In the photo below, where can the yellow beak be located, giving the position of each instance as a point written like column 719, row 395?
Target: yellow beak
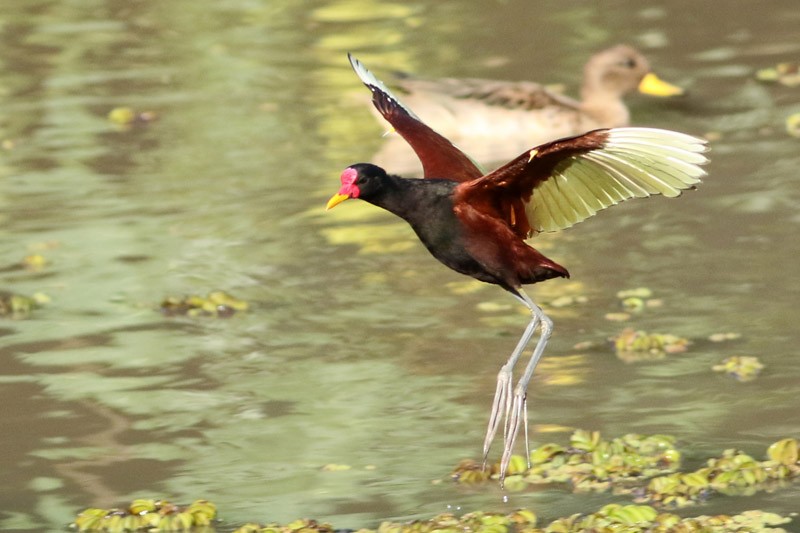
column 655, row 86
column 335, row 200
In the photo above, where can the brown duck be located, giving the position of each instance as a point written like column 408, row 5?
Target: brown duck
column 493, row 120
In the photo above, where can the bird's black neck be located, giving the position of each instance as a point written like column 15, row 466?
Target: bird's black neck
column 408, row 198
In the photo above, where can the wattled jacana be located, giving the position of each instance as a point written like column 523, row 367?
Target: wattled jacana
column 477, row 224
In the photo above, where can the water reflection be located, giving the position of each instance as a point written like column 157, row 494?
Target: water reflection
column 359, row 348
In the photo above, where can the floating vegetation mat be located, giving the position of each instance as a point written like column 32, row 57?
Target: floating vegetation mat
column 611, row 518
column 643, row 467
column 588, row 463
column 17, row 306
column 634, row 345
column 741, row 367
column 614, row 518
column 633, row 301
column 793, row 124
column 786, row 73
column 126, row 117
column 636, row 300
column 215, row 303
column 33, row 262
column 148, row 515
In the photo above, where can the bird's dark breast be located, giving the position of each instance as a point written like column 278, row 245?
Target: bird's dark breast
column 449, row 248
column 440, row 230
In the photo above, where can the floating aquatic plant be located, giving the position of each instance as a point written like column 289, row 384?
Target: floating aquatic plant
column 303, row 525
column 126, row 116
column 639, row 292
column 643, row 466
column 567, row 300
column 793, row 124
column 17, row 306
column 618, row 317
column 613, row 518
column 645, row 519
column 785, row 73
column 33, row 262
column 588, row 463
column 148, row 515
column 724, row 336
column 734, row 472
column 200, row 516
column 741, row 367
column 216, row 303
column 632, row 344
column 633, row 301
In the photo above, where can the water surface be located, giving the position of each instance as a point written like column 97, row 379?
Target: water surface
column 358, row 349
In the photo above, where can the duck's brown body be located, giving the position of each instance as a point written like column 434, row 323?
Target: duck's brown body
column 493, row 120
column 457, row 107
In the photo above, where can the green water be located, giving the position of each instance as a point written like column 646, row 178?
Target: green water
column 359, row 349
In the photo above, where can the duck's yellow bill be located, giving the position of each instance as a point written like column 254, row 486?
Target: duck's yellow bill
column 655, row 86
column 335, row 200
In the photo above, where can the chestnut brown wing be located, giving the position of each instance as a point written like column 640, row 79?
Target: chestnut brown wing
column 564, row 182
column 439, row 157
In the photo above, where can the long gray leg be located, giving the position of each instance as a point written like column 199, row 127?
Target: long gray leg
column 519, row 408
column 501, row 405
column 503, row 400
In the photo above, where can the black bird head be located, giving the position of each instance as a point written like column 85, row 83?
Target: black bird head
column 361, row 180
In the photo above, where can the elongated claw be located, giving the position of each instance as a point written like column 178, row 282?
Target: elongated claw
column 517, row 418
column 501, row 406
column 525, row 422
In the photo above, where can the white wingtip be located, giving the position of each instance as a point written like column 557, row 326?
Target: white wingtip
column 618, row 137
column 632, row 163
column 374, row 84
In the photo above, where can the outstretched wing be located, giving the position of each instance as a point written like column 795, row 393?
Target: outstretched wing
column 561, row 183
column 439, row 157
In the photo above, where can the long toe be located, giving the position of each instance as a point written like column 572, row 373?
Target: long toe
column 501, row 406
column 525, row 425
column 515, row 421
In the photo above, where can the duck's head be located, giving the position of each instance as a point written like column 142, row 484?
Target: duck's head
column 621, row 70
